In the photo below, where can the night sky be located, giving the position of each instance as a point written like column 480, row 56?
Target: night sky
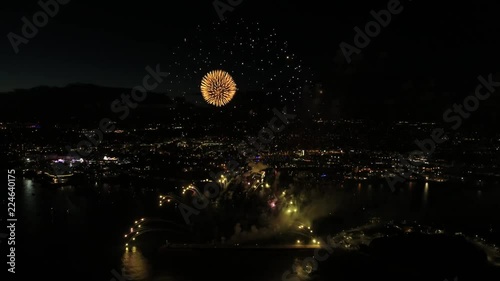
column 427, row 50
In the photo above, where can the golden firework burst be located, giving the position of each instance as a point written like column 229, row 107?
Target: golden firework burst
column 218, row 88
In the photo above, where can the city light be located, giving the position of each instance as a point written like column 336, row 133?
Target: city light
column 242, row 132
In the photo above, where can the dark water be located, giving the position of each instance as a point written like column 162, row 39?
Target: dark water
column 77, row 233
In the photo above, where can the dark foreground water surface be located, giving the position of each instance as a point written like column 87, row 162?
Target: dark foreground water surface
column 77, row 233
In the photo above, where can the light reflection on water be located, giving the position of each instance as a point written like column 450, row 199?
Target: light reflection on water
column 426, row 195
column 77, row 210
column 135, row 265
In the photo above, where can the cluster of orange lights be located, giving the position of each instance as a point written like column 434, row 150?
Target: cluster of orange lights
column 218, row 88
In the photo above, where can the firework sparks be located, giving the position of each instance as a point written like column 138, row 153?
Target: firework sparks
column 218, row 88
